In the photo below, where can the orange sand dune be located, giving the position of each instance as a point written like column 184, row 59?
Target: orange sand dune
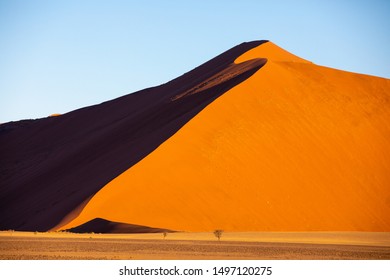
column 296, row 147
column 51, row 167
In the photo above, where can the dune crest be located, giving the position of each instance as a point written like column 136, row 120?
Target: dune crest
column 271, row 52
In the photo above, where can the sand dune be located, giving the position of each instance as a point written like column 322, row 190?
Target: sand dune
column 296, row 147
column 103, row 226
column 256, row 139
column 49, row 168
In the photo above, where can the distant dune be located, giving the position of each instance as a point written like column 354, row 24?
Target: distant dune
column 256, row 139
column 103, row 226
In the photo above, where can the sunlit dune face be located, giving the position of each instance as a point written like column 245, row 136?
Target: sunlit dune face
column 296, row 147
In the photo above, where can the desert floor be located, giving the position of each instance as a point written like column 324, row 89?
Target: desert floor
column 264, row 245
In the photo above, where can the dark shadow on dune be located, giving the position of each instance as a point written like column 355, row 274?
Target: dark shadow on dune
column 48, row 167
column 99, row 225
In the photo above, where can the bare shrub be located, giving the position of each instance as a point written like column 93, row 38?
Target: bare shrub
column 218, row 234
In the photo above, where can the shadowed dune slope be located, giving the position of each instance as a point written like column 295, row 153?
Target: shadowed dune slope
column 49, row 168
column 295, row 147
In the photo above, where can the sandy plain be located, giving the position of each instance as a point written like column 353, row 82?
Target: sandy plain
column 198, row 246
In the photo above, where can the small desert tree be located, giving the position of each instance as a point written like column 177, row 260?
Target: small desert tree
column 218, row 233
column 165, row 234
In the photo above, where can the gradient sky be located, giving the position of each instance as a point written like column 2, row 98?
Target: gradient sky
column 57, row 56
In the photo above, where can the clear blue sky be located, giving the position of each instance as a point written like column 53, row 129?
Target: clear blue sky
column 57, row 56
